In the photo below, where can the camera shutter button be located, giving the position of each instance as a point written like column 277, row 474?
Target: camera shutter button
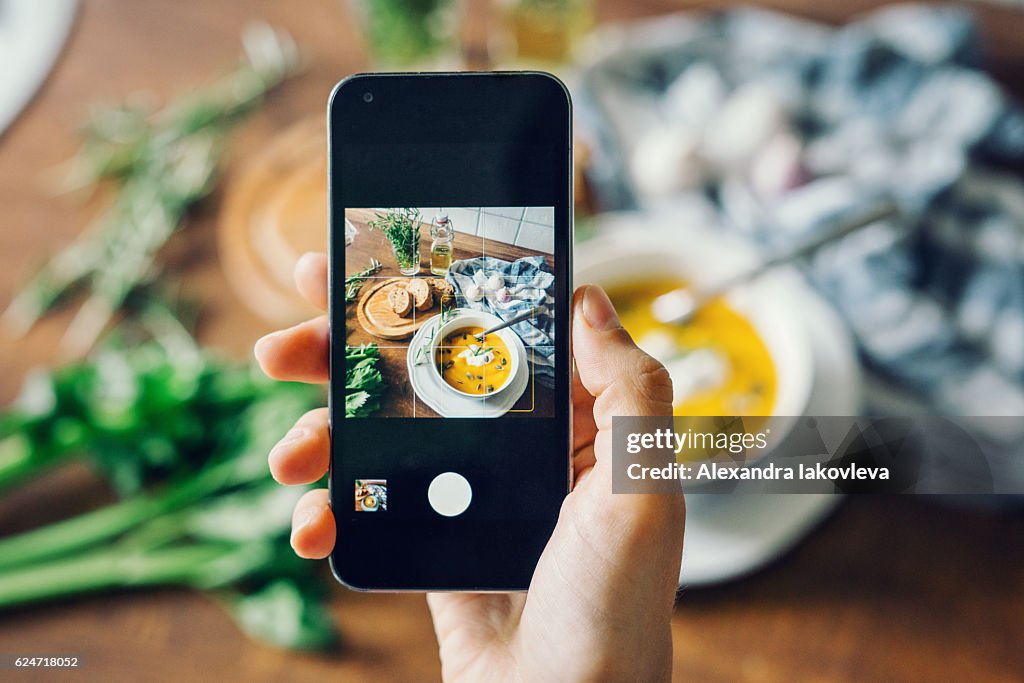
column 449, row 494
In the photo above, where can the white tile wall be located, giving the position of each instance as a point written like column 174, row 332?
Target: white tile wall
column 536, row 237
column 530, row 228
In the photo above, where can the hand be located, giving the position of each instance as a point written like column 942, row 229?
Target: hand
column 600, row 602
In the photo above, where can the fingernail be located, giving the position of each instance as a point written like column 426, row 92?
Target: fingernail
column 294, row 435
column 306, row 519
column 598, row 310
column 304, row 258
column 261, row 342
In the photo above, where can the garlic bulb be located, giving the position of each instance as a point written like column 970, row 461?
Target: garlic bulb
column 665, row 161
column 494, row 282
column 474, row 293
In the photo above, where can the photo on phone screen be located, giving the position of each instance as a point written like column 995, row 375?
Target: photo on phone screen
column 444, row 278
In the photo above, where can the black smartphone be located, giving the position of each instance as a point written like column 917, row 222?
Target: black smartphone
column 450, row 292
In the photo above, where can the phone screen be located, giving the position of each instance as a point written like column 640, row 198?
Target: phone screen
column 450, row 216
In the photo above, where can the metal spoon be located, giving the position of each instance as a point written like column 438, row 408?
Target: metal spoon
column 680, row 305
column 536, row 310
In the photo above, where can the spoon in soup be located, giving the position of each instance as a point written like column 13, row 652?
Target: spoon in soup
column 526, row 315
column 680, row 305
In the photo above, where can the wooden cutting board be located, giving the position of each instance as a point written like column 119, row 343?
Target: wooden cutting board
column 275, row 209
column 376, row 316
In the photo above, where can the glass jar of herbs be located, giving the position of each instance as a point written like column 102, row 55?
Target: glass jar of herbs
column 402, row 228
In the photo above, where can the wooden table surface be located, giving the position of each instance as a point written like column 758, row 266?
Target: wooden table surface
column 399, row 399
column 887, row 589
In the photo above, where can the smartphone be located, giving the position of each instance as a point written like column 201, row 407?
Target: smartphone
column 450, row 215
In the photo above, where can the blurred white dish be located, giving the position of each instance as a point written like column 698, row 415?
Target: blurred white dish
column 32, row 34
column 632, row 253
column 731, row 535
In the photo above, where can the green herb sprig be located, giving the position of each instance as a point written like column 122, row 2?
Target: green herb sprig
column 161, row 163
column 423, row 352
column 354, row 283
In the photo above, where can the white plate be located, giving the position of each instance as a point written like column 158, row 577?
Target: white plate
column 431, row 390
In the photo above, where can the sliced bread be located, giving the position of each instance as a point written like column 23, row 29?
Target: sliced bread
column 401, row 301
column 444, row 292
column 421, row 293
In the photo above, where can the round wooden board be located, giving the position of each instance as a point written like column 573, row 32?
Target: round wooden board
column 275, row 209
column 378, row 318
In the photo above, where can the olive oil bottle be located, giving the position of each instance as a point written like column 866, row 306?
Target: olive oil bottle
column 442, row 233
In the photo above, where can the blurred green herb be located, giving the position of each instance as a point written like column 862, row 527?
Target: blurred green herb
column 161, row 164
column 404, row 32
column 402, row 228
column 354, row 283
column 183, row 437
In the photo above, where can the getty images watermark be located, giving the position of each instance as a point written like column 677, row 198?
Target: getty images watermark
column 825, row 454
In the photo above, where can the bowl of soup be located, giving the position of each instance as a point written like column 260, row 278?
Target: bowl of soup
column 746, row 354
column 470, row 366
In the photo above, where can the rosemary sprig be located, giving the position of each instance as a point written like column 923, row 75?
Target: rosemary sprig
column 161, row 164
column 354, row 283
column 423, row 352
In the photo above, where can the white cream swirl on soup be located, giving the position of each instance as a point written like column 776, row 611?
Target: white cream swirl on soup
column 474, row 357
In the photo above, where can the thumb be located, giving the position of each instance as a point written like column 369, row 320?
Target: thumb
column 623, row 379
column 609, row 574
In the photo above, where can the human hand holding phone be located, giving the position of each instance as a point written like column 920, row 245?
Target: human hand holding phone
column 600, row 602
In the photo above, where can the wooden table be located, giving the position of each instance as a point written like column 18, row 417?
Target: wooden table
column 887, row 589
column 399, row 400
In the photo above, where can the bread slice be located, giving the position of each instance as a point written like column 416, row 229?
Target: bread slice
column 401, row 301
column 421, row 293
column 442, row 287
column 444, row 292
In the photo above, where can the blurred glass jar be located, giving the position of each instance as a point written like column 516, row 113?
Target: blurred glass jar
column 413, row 35
column 541, row 31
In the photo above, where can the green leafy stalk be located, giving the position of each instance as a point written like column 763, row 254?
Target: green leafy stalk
column 261, row 425
column 364, row 383
column 219, row 523
column 284, row 612
column 204, row 565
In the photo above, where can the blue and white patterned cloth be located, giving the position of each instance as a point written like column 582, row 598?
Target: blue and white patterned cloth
column 527, row 281
column 895, row 104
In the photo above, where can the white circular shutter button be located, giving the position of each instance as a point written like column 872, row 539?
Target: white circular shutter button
column 449, row 494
